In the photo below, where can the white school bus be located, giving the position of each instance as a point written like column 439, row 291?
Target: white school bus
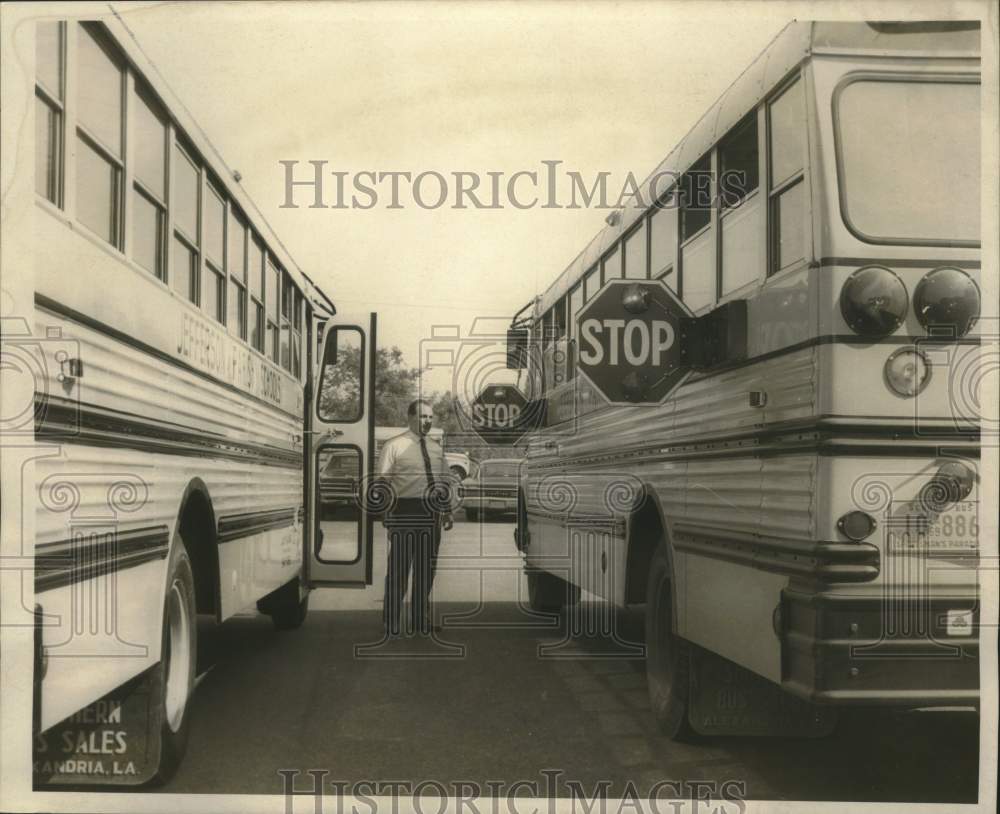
column 799, row 515
column 176, row 422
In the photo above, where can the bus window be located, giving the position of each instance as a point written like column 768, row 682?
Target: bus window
column 591, row 283
column 559, row 319
column 149, row 208
column 920, row 179
column 236, row 299
column 256, row 315
column 342, row 385
column 612, row 265
column 297, row 335
column 184, row 205
column 697, row 240
column 272, row 290
column 49, row 111
column 575, row 304
column 786, row 149
column 635, row 253
column 741, row 214
column 99, row 154
column 213, row 281
column 287, row 306
column 663, row 242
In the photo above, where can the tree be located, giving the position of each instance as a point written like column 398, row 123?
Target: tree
column 395, row 386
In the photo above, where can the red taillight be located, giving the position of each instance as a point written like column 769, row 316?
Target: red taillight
column 873, row 301
column 947, row 302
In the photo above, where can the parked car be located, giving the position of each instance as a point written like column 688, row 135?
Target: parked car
column 492, row 489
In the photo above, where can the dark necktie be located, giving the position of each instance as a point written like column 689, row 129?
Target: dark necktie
column 427, row 462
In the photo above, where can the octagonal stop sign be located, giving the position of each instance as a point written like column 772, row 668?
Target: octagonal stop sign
column 630, row 341
column 500, row 414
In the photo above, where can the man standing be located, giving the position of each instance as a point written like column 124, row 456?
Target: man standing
column 414, row 467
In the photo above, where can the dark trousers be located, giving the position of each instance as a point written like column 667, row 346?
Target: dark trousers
column 414, row 538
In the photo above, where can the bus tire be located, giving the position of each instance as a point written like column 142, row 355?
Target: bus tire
column 178, row 656
column 472, row 515
column 285, row 606
column 548, row 593
column 667, row 655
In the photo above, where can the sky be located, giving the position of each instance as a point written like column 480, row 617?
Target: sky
column 443, row 87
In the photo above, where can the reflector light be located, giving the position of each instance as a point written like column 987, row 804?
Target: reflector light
column 947, row 301
column 855, row 526
column 907, row 372
column 873, row 301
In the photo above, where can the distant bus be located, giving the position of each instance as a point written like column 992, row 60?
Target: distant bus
column 805, row 504
column 175, row 426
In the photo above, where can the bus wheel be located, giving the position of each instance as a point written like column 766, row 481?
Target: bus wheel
column 285, row 607
column 667, row 655
column 549, row 593
column 177, row 661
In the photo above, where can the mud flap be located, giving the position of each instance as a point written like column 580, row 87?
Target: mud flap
column 114, row 741
column 727, row 699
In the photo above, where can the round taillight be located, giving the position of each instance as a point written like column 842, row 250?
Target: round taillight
column 947, row 302
column 855, row 526
column 873, row 301
column 952, row 483
column 907, row 372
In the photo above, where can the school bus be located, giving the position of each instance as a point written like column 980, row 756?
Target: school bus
column 799, row 516
column 179, row 355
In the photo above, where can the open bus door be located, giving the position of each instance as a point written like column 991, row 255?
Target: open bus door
column 340, row 446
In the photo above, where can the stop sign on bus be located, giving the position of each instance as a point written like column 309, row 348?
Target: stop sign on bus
column 629, row 341
column 500, row 414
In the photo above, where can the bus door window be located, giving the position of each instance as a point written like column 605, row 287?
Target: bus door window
column 786, row 159
column 342, row 384
column 741, row 214
column 697, row 240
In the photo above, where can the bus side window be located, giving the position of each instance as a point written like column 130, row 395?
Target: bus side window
column 786, row 197
column 697, row 238
column 575, row 304
column 663, row 242
column 741, row 214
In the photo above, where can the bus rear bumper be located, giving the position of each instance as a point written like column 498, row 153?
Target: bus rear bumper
column 866, row 650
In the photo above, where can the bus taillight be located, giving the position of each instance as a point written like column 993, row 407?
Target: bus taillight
column 907, row 372
column 873, row 301
column 947, row 301
column 952, row 483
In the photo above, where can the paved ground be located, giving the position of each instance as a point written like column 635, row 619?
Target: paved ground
column 503, row 695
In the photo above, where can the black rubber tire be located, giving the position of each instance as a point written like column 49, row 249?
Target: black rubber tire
column 179, row 623
column 667, row 655
column 472, row 515
column 287, row 610
column 548, row 593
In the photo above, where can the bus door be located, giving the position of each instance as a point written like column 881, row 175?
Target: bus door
column 339, row 455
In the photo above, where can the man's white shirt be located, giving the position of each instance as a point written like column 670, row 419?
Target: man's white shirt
column 402, row 464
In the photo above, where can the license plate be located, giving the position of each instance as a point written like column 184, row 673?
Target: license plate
column 955, row 531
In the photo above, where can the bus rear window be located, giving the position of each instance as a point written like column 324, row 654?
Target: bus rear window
column 909, row 160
